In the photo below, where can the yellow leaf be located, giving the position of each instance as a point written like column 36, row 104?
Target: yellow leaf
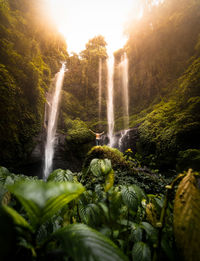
column 109, row 181
column 187, row 218
column 151, row 214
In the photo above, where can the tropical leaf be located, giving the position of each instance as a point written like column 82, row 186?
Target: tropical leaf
column 141, row 252
column 115, row 203
column 109, row 180
column 136, row 232
column 42, row 200
column 186, row 218
column 151, row 232
column 17, row 218
column 90, row 214
column 100, row 167
column 82, row 243
column 129, row 197
column 61, row 175
column 106, row 166
column 138, row 192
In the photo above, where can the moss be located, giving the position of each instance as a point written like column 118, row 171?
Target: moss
column 26, row 55
column 188, row 159
column 174, row 125
column 105, row 152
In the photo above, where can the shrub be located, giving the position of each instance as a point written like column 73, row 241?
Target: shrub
column 105, row 152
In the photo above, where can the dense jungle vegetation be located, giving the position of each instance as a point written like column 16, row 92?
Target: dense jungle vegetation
column 31, row 50
column 133, row 205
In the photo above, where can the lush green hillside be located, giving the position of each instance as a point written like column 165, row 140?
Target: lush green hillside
column 31, row 50
column 164, row 72
column 160, row 47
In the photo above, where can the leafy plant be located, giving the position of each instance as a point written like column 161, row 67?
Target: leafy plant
column 61, row 175
column 186, row 217
column 41, row 234
column 43, row 200
column 83, row 243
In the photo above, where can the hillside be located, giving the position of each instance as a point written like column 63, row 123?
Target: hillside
column 31, row 50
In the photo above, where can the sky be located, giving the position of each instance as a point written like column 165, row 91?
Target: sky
column 81, row 20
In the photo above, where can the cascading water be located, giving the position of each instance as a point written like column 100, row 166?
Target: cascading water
column 125, row 96
column 52, row 115
column 100, row 86
column 110, row 107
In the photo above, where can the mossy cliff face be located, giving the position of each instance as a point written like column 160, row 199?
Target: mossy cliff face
column 171, row 130
column 31, row 50
column 164, row 82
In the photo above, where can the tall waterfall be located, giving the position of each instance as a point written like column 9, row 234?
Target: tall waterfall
column 123, row 66
column 52, row 115
column 100, row 86
column 110, row 106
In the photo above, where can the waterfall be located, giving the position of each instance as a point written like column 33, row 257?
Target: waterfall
column 125, row 93
column 110, row 107
column 123, row 66
column 51, row 117
column 100, row 86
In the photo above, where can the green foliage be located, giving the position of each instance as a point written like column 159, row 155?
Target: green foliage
column 100, row 167
column 30, row 54
column 152, row 38
column 132, row 196
column 141, row 252
column 78, row 131
column 70, row 106
column 42, row 200
column 17, row 218
column 105, row 152
column 188, row 158
column 186, row 226
column 7, row 178
column 173, row 126
column 81, row 80
column 83, row 243
column 61, row 175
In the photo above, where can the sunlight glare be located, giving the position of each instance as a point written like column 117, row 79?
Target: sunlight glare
column 80, row 21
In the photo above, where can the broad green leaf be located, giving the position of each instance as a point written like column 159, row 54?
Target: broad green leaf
column 17, row 218
column 90, row 214
column 136, row 232
column 138, row 192
column 129, row 197
column 82, row 243
column 151, row 232
column 109, row 180
column 42, row 200
column 61, row 175
column 100, row 167
column 141, row 252
column 187, row 217
column 106, row 166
